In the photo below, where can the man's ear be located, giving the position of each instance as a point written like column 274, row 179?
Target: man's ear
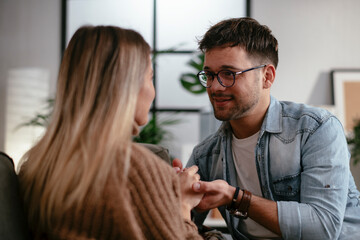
column 269, row 76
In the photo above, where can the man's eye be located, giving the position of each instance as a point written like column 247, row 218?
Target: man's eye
column 208, row 74
column 227, row 73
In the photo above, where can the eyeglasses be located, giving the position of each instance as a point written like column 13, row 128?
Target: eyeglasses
column 225, row 77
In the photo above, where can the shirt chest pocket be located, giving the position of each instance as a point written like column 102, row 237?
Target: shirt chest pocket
column 287, row 188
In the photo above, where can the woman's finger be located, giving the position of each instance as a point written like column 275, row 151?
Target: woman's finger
column 192, row 170
column 197, row 177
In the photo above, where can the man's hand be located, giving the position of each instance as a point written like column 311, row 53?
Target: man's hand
column 219, row 192
column 216, row 193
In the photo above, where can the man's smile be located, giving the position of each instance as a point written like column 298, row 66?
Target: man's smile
column 221, row 99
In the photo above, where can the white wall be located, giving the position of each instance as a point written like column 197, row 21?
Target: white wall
column 29, row 38
column 314, row 38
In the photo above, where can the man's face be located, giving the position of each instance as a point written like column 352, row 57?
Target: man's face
column 243, row 97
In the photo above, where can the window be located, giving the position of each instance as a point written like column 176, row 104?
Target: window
column 165, row 25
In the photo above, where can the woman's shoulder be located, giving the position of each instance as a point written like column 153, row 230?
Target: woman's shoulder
column 149, row 174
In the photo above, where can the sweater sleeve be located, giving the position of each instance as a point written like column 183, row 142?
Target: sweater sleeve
column 155, row 196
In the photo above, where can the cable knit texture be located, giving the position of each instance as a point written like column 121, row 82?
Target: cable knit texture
column 149, row 207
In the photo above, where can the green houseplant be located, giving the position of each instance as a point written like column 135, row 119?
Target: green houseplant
column 354, row 142
column 189, row 80
column 41, row 119
column 154, row 132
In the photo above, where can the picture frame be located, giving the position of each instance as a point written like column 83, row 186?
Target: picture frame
column 346, row 96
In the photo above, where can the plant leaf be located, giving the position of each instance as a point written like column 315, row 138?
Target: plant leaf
column 189, row 80
column 191, row 83
column 154, row 132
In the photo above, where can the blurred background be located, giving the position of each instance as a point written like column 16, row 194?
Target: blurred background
column 317, row 40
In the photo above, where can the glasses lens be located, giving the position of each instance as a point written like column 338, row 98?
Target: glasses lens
column 205, row 79
column 227, row 78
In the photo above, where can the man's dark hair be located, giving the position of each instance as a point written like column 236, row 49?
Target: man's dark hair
column 247, row 33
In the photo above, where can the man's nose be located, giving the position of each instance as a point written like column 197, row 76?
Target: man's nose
column 216, row 86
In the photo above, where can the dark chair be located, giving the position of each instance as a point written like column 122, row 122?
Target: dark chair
column 160, row 151
column 12, row 218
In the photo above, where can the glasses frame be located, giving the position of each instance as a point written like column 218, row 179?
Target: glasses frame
column 219, row 79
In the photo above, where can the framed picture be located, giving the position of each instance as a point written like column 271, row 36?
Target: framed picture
column 346, row 92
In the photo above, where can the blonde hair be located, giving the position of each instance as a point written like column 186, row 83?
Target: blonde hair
column 100, row 76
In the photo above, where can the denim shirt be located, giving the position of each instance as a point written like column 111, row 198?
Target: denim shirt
column 302, row 161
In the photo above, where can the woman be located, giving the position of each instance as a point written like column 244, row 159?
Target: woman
column 86, row 179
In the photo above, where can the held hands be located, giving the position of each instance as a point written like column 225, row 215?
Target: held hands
column 215, row 193
column 189, row 198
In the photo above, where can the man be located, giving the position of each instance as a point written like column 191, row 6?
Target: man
column 291, row 159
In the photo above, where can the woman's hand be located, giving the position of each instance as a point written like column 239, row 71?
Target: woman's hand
column 177, row 165
column 189, row 198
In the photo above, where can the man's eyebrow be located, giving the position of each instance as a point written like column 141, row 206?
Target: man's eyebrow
column 223, row 67
column 229, row 66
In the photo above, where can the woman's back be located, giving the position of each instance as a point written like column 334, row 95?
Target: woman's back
column 144, row 207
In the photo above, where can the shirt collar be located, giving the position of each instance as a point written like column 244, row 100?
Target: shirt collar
column 273, row 120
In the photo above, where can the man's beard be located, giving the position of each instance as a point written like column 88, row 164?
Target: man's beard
column 237, row 111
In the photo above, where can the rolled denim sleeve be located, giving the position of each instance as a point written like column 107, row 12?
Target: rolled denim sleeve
column 324, row 186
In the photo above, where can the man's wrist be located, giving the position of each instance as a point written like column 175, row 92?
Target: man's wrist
column 239, row 206
column 230, row 195
column 233, row 202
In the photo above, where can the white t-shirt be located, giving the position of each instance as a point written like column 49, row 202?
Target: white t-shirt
column 243, row 151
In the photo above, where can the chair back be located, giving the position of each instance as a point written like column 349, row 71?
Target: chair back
column 13, row 223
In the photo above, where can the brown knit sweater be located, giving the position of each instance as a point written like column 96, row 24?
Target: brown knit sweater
column 148, row 208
